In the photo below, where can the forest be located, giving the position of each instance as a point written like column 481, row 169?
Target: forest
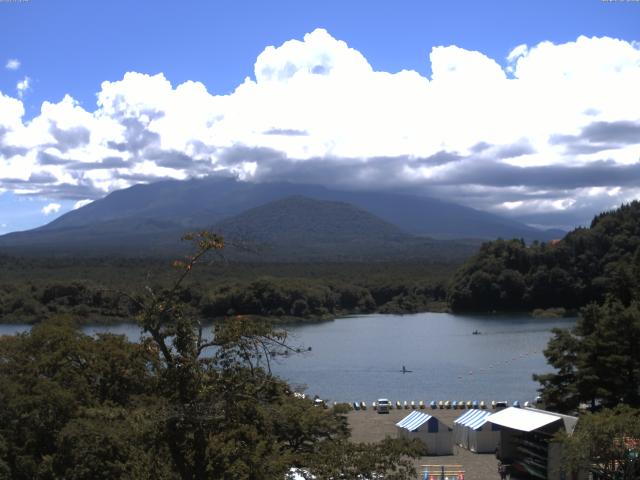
column 172, row 406
column 587, row 265
column 90, row 289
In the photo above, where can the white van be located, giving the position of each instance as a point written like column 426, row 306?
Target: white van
column 384, row 405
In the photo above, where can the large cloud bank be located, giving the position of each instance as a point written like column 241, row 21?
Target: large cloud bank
column 552, row 130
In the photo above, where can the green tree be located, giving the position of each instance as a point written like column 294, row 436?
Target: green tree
column 597, row 362
column 180, row 404
column 48, row 376
column 559, row 390
column 229, row 417
column 605, row 443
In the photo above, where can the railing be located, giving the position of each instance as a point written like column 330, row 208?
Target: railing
column 442, row 472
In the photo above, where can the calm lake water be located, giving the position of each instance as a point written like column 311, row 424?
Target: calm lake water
column 361, row 358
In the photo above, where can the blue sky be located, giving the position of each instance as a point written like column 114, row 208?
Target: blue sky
column 71, row 47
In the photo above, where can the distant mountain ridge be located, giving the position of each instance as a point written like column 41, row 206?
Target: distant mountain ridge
column 152, row 217
column 299, row 219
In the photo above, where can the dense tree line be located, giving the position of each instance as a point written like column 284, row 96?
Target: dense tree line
column 177, row 405
column 587, row 265
column 93, row 293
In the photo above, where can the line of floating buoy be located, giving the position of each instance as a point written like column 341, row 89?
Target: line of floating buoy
column 498, row 364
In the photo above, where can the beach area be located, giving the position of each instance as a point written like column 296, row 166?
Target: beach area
column 369, row 426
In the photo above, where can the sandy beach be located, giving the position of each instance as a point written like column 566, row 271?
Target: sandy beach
column 370, row 426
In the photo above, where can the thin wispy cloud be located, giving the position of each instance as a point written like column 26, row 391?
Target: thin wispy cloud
column 520, row 138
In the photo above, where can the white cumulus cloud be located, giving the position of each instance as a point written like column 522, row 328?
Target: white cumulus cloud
column 12, row 64
column 552, row 124
column 23, row 86
column 51, row 208
column 81, row 203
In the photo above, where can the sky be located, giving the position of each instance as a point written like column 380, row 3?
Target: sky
column 526, row 109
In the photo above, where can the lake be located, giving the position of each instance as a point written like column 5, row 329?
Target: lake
column 361, row 357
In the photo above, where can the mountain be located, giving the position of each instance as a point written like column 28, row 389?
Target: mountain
column 150, row 218
column 301, row 228
column 199, row 202
column 302, row 220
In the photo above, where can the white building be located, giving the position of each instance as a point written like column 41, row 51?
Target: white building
column 437, row 437
column 526, row 440
column 473, row 431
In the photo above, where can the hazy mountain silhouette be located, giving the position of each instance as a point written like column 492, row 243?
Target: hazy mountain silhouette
column 150, row 218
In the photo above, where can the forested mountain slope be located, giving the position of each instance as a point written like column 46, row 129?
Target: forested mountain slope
column 585, row 266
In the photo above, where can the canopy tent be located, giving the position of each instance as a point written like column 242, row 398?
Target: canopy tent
column 523, row 419
column 527, row 440
column 473, row 431
column 436, row 436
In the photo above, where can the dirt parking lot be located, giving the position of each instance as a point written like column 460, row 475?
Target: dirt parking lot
column 370, row 426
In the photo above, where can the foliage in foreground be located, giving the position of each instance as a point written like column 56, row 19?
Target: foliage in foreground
column 607, row 443
column 177, row 405
column 597, row 362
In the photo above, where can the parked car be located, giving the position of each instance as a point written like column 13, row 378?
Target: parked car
column 384, row 405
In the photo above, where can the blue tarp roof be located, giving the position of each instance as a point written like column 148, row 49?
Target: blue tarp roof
column 473, row 419
column 413, row 421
